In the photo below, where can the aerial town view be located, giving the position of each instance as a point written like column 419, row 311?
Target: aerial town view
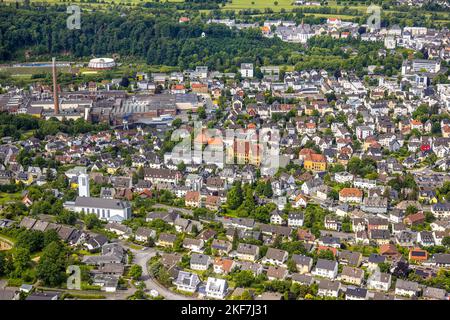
column 206, row 150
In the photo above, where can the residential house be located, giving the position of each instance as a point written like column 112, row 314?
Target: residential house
column 302, row 279
column 302, row 263
column 223, row 265
column 414, row 219
column 248, row 252
column 430, row 293
column 143, row 234
column 326, row 268
column 275, row 256
column 332, row 223
column 350, row 258
column 216, row 288
column 187, row 281
column 300, row 202
column 425, row 238
column 192, row 199
column 379, row 281
column 276, row 218
column 295, row 219
column 352, row 275
column 119, row 229
column 166, row 240
column 406, row 288
column 353, row 195
column 417, row 255
column 276, row 273
column 221, row 246
column 200, row 262
column 194, row 245
column 355, row 293
column 328, row 288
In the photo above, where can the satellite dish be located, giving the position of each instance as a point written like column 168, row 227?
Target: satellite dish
column 203, row 34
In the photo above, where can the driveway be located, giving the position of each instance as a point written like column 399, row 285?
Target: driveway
column 141, row 257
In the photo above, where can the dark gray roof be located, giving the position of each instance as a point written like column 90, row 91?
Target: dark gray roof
column 301, row 259
column 276, row 254
column 329, row 285
column 247, row 248
column 442, row 258
column 199, row 259
column 27, row 222
column 351, row 257
column 326, row 264
column 407, row 285
column 44, row 296
column 356, row 292
column 376, row 258
column 303, row 279
column 65, row 232
column 434, row 293
column 101, row 203
column 167, row 237
column 6, row 294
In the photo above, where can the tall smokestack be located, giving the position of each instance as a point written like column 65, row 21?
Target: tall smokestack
column 55, row 86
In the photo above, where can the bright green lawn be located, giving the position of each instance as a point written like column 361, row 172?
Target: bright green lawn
column 259, row 4
column 7, row 197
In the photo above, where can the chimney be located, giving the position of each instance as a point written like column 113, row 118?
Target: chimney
column 55, row 86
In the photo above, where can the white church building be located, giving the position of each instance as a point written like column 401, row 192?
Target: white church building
column 105, row 209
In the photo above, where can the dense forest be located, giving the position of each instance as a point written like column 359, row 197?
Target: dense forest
column 158, row 40
column 161, row 40
column 16, row 125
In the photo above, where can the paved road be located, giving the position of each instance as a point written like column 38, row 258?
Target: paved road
column 141, row 257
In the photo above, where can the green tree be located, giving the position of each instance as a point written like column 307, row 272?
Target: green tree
column 268, row 192
column 234, row 196
column 67, row 217
column 176, row 123
column 92, row 221
column 246, row 295
column 50, row 236
column 384, row 267
column 411, row 210
column 22, row 261
column 181, row 166
column 243, row 278
column 31, row 240
column 446, row 241
column 52, row 264
column 292, row 267
column 135, row 272
column 326, row 254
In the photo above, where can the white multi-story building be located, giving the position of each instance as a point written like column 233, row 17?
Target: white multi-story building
column 216, row 288
column 343, row 177
column 104, row 209
column 326, row 268
column 379, row 281
column 247, row 70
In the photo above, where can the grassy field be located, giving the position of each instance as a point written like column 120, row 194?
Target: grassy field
column 7, row 197
column 6, row 243
column 25, row 73
column 237, row 5
column 275, row 5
